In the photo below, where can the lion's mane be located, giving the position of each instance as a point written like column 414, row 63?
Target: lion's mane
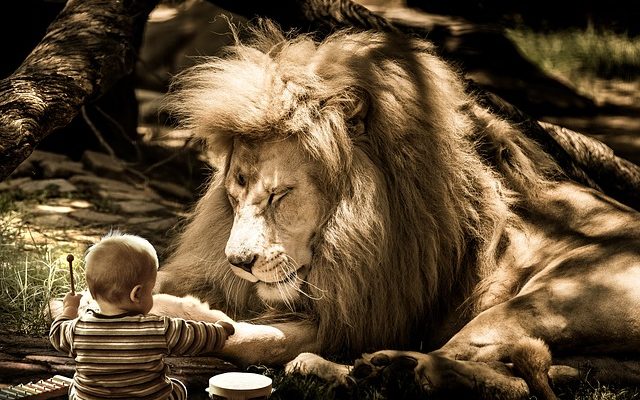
column 420, row 196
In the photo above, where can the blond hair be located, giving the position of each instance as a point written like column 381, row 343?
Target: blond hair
column 117, row 263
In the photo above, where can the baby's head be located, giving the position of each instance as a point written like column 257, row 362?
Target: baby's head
column 121, row 270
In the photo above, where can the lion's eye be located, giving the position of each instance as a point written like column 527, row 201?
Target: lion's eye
column 277, row 196
column 241, row 179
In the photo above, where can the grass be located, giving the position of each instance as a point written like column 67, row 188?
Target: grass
column 581, row 55
column 402, row 387
column 30, row 275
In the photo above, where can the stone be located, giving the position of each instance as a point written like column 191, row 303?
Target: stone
column 13, row 184
column 160, row 225
column 46, row 209
column 95, row 217
column 54, row 221
column 103, row 164
column 61, row 169
column 101, row 183
column 79, row 204
column 172, row 189
column 32, row 165
column 141, row 220
column 132, row 195
column 139, row 207
column 38, row 156
column 26, row 168
column 59, row 185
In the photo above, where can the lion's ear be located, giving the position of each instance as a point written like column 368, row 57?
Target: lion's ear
column 356, row 112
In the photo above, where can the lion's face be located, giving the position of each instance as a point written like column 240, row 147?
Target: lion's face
column 277, row 210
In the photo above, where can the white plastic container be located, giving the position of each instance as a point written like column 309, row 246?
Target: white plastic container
column 239, row 386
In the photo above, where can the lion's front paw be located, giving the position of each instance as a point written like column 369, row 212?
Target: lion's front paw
column 434, row 373
column 313, row 364
column 392, row 365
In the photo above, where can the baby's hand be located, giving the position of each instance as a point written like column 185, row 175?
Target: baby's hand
column 228, row 328
column 71, row 300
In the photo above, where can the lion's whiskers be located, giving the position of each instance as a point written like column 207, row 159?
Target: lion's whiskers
column 297, row 282
column 284, row 294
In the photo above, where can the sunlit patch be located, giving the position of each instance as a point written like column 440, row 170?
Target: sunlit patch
column 565, row 289
column 44, row 208
column 628, row 281
column 605, row 222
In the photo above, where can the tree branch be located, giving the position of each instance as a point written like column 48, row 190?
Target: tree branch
column 89, row 46
column 92, row 44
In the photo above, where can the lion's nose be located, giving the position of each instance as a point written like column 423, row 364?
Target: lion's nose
column 244, row 261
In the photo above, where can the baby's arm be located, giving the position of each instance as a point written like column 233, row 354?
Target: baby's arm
column 190, row 338
column 61, row 332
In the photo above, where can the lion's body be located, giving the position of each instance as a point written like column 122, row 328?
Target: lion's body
column 412, row 214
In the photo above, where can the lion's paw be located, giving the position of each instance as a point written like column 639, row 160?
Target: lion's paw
column 313, row 364
column 435, row 373
column 391, row 365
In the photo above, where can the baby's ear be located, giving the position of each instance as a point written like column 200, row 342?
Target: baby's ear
column 135, row 294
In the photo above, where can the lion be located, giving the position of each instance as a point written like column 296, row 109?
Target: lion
column 364, row 202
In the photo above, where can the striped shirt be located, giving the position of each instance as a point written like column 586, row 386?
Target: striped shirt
column 122, row 356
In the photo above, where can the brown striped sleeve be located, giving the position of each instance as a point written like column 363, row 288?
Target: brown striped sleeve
column 189, row 338
column 61, row 334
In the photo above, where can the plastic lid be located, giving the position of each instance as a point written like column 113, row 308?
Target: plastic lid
column 239, row 385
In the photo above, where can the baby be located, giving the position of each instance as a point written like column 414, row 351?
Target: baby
column 119, row 351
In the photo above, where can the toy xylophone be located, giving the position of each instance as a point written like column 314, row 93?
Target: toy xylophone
column 43, row 389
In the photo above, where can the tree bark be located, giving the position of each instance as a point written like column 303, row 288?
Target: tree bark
column 323, row 16
column 85, row 51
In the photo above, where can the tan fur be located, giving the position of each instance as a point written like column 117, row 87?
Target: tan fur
column 457, row 206
column 421, row 191
column 532, row 359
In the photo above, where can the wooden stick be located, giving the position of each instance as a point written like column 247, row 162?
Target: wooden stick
column 70, row 259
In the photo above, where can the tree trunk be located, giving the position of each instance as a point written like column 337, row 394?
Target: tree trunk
column 86, row 50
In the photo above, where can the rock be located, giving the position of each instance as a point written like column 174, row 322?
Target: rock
column 79, row 204
column 102, row 183
column 54, row 221
column 35, row 162
column 139, row 207
column 143, row 195
column 54, row 185
column 172, row 189
column 160, row 225
column 26, row 168
column 45, row 209
column 95, row 217
column 38, row 156
column 13, row 184
column 61, row 169
column 141, row 220
column 103, row 164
